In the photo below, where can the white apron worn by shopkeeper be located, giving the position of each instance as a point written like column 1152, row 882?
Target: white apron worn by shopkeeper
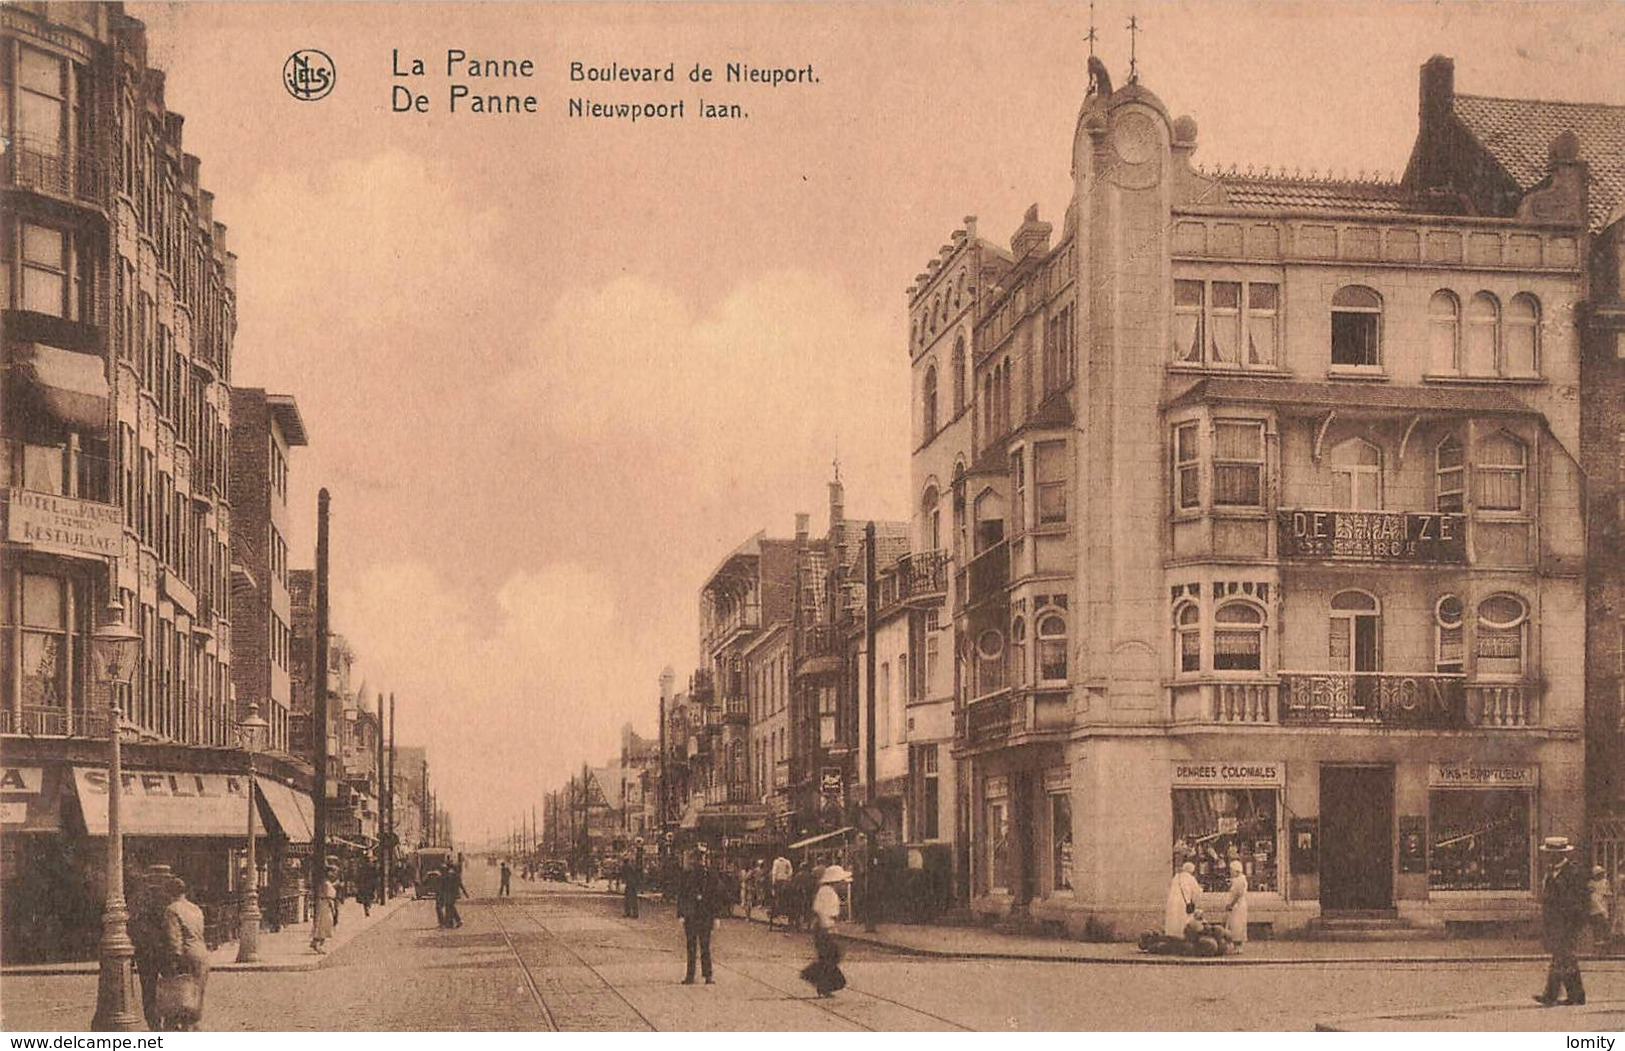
column 1182, row 891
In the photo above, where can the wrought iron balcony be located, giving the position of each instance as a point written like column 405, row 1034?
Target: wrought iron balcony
column 922, row 577
column 43, row 168
column 820, row 640
column 47, row 721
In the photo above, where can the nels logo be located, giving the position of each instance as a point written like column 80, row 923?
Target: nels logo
column 309, row 75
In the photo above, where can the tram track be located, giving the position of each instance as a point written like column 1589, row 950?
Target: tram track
column 524, row 969
column 581, row 960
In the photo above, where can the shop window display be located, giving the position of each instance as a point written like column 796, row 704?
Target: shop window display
column 1479, row 839
column 1215, row 826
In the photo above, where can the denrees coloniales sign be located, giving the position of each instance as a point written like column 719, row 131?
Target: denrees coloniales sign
column 1373, row 536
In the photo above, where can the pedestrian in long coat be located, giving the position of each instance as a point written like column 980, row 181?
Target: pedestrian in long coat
column 507, row 877
column 824, row 973
column 1183, row 891
column 147, row 934
column 366, row 887
column 1237, row 922
column 1563, row 903
column 631, row 882
column 186, row 952
column 699, row 899
column 451, row 888
column 326, row 913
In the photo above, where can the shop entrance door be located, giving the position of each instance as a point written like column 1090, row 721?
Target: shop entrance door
column 1356, row 837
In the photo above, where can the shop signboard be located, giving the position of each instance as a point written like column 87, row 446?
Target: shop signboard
column 59, row 523
column 1482, row 775
column 21, row 787
column 165, row 803
column 1373, row 536
column 1228, row 773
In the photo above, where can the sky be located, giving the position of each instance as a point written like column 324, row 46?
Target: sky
column 553, row 368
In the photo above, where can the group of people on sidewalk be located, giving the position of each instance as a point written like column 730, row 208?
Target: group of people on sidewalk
column 701, row 898
column 1182, row 918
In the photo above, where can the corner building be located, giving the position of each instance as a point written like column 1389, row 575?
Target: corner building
column 1267, row 531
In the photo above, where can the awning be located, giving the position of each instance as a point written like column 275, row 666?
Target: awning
column 821, row 837
column 30, row 798
column 292, row 810
column 71, row 386
column 163, row 803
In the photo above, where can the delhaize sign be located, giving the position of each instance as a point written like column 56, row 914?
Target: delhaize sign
column 59, row 523
column 1373, row 536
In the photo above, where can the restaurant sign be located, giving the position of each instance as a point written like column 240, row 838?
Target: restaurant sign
column 1373, row 536
column 60, row 523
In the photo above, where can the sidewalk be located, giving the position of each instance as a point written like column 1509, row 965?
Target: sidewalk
column 985, row 943
column 1596, row 1016
column 284, row 950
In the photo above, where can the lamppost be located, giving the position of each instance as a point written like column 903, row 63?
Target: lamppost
column 251, row 732
column 115, row 649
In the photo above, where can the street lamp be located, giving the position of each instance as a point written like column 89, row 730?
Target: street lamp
column 251, row 732
column 115, row 650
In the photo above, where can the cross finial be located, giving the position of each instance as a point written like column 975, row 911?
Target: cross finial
column 1133, row 63
column 1093, row 36
column 837, row 466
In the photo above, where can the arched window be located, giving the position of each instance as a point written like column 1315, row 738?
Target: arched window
column 931, row 511
column 1238, row 637
column 1052, row 648
column 1448, row 650
column 1018, row 651
column 1503, row 626
column 1354, row 635
column 936, row 311
column 1483, row 332
column 989, row 520
column 1356, row 328
column 959, row 375
column 1499, row 466
column 1188, row 629
column 1356, row 467
column 1449, row 477
column 1522, row 339
column 929, row 400
column 1444, row 331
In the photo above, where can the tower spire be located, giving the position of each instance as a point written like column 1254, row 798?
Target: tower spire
column 1133, row 62
column 1093, row 36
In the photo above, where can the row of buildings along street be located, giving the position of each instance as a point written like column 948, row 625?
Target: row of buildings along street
column 1257, row 518
column 144, row 489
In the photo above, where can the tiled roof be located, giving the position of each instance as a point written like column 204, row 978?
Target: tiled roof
column 1343, row 195
column 1518, row 133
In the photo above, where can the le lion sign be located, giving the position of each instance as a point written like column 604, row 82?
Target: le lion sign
column 1373, row 536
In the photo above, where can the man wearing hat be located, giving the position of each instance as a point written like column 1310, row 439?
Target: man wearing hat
column 699, row 897
column 1563, row 917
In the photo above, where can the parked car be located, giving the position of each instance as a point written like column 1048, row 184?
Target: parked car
column 554, row 869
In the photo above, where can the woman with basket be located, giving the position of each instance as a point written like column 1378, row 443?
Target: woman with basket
column 185, row 973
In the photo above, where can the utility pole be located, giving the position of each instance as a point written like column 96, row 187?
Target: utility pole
column 383, row 824
column 423, row 806
column 660, row 796
column 870, row 884
column 394, row 837
column 319, row 686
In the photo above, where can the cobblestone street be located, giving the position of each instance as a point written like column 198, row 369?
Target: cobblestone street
column 562, row 957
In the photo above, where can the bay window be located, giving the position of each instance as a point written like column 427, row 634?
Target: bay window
column 1499, row 466
column 1049, row 469
column 1052, row 648
column 1448, row 649
column 1449, row 477
column 1238, row 463
column 1238, row 637
column 1503, row 624
column 1188, row 629
column 1187, row 468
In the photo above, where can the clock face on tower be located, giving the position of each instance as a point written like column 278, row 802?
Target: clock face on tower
column 1135, row 138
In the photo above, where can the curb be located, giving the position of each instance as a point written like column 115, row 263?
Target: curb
column 1361, row 1023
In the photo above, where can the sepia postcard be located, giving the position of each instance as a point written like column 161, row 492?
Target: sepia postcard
column 806, row 516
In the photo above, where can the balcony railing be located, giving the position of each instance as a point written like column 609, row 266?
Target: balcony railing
column 923, row 575
column 997, row 717
column 1420, row 700
column 35, row 721
column 739, row 618
column 820, row 640
column 43, row 168
column 1372, row 536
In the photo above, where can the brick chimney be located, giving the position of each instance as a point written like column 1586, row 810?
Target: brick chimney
column 1435, row 128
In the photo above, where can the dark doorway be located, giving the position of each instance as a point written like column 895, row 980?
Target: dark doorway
column 1021, row 822
column 1356, row 837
